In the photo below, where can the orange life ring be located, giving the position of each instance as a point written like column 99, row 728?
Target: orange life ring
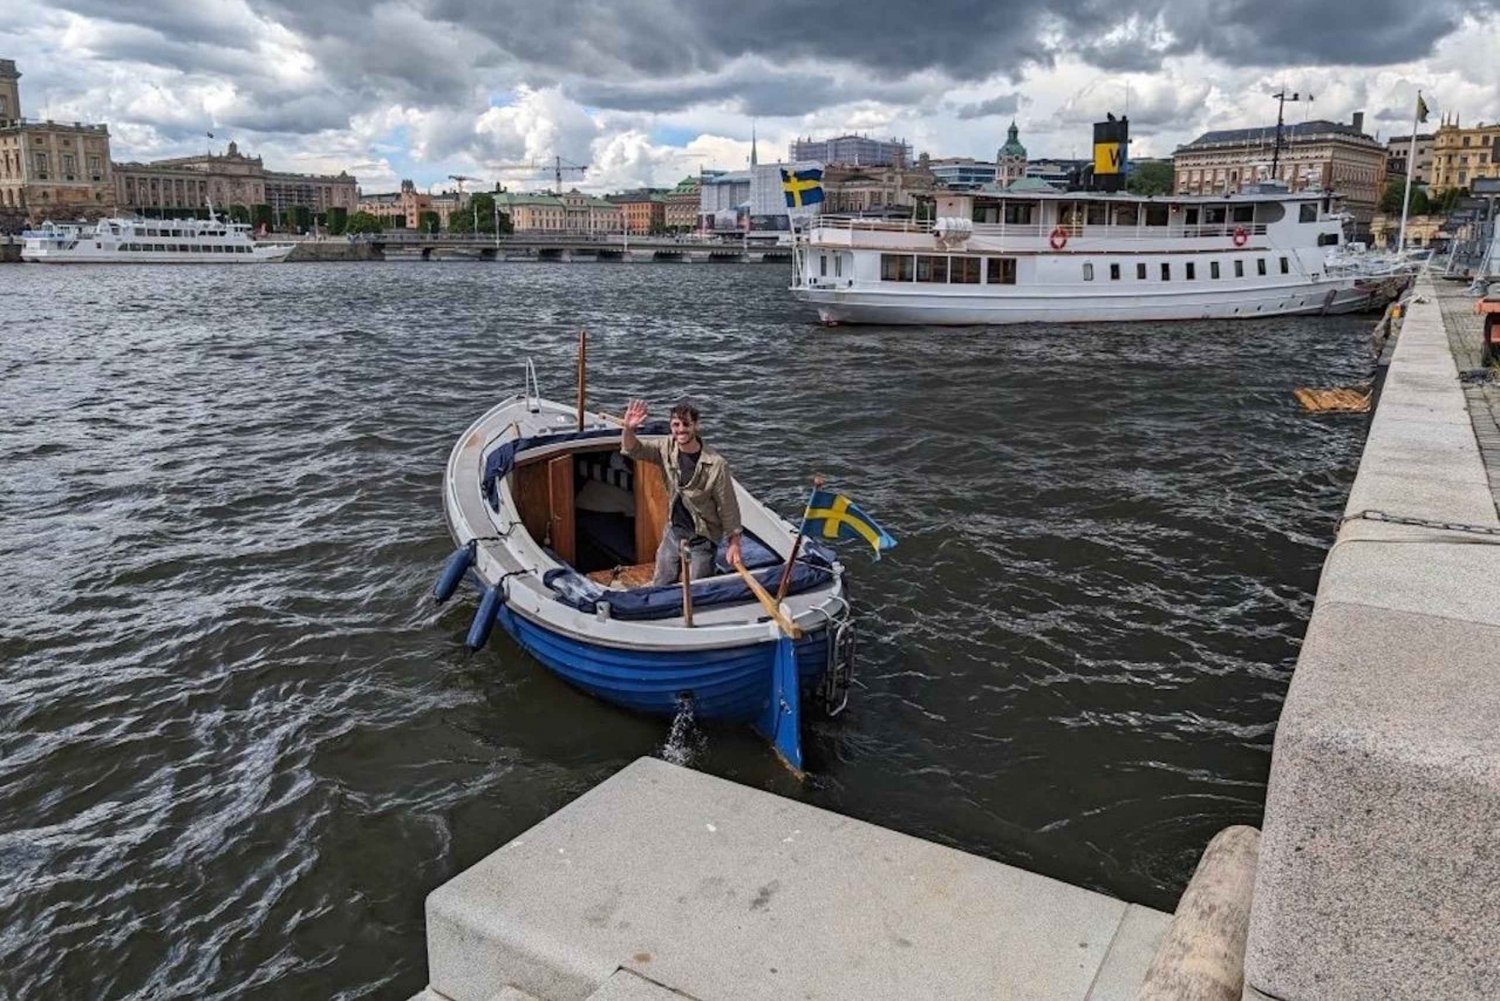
column 1240, row 236
column 1059, row 238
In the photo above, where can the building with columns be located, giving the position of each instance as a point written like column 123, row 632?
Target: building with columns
column 230, row 178
column 49, row 169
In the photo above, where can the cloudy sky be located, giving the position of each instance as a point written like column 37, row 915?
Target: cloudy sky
column 646, row 91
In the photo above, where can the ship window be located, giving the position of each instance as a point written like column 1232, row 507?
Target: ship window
column 822, row 264
column 964, row 271
column 932, row 268
column 1114, row 272
column 1125, row 215
column 1328, row 239
column 1002, row 270
column 1088, row 272
column 1094, row 213
column 1260, row 265
column 1213, row 269
column 1307, row 213
column 1156, row 215
column 1191, row 216
column 1018, row 213
column 1285, row 267
column 1214, row 214
column 895, row 267
column 1140, row 271
column 1244, row 213
column 1239, row 269
column 1166, row 271
column 838, row 265
column 1191, row 270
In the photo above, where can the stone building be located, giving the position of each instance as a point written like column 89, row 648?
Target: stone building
column 590, row 215
column 1316, row 154
column 645, row 211
column 1010, row 159
column 403, row 209
column 884, row 191
column 1398, row 151
column 534, row 213
column 191, row 182
column 1460, row 155
column 680, row 213
column 852, row 151
column 49, row 169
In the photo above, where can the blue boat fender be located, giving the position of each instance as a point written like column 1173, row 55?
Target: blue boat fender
column 484, row 617
column 453, row 573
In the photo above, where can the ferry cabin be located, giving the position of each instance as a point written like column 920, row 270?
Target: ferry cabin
column 145, row 241
column 1034, row 256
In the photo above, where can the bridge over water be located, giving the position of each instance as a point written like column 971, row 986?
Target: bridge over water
column 555, row 247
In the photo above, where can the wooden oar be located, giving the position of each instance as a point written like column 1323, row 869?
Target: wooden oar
column 786, row 574
column 767, row 602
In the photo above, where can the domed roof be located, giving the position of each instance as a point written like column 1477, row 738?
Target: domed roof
column 1012, row 147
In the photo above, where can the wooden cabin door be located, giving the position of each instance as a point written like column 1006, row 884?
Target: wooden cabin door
column 560, row 507
column 650, row 510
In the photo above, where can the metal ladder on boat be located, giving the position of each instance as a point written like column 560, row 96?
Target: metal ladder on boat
column 838, row 673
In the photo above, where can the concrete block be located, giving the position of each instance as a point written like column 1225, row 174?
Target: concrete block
column 724, row 893
column 1456, row 579
column 627, row 986
column 1378, row 862
column 1130, row 954
column 1202, row 956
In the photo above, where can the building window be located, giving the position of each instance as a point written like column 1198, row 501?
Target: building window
column 1140, row 271
column 1239, row 269
column 1191, row 269
column 932, row 268
column 1114, row 272
column 1002, row 270
column 42, row 164
column 1213, row 269
column 896, row 268
column 1166, row 272
column 964, row 271
column 1260, row 265
column 1088, row 272
column 1286, row 267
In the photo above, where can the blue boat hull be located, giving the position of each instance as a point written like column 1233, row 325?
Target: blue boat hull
column 733, row 684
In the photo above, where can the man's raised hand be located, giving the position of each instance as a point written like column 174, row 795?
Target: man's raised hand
column 635, row 414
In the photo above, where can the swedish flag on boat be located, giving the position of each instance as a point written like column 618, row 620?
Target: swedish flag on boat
column 802, row 187
column 834, row 516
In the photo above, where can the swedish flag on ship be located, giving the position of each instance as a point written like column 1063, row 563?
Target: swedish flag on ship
column 834, row 516
column 802, row 187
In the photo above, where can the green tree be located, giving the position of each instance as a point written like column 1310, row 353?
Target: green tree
column 338, row 221
column 1150, row 178
column 298, row 218
column 261, row 216
column 239, row 213
column 364, row 222
column 429, row 222
column 461, row 220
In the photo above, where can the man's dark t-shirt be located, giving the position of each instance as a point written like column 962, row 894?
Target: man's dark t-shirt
column 687, row 465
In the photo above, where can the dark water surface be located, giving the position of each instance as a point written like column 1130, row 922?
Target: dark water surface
column 238, row 745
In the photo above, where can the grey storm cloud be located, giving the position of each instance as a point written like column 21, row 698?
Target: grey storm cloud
column 1005, row 104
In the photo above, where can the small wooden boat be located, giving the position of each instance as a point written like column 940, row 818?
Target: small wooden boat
column 558, row 530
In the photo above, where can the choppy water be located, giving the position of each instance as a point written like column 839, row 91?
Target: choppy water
column 238, row 745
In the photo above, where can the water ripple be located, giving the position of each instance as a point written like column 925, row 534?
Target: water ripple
column 238, row 745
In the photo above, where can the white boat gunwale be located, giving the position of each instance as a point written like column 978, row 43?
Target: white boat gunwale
column 517, row 553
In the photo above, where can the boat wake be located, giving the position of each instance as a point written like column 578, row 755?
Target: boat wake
column 684, row 741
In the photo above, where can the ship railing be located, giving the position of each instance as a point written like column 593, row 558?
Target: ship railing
column 1033, row 230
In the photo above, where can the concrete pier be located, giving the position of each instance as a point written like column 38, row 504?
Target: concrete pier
column 663, row 882
column 1378, row 861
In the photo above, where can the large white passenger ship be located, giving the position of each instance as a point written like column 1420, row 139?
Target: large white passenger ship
column 1054, row 256
column 148, row 241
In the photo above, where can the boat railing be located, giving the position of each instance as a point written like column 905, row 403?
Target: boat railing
column 1036, row 230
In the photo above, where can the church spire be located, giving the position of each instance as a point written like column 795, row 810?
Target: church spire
column 753, row 158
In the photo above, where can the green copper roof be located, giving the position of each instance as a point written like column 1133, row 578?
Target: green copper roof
column 1012, row 145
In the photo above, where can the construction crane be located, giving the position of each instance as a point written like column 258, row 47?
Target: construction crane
column 459, row 179
column 558, row 166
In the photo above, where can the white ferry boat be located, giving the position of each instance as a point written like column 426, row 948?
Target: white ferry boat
column 149, row 241
column 1077, row 256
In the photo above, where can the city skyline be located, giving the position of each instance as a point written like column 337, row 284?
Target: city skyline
column 647, row 93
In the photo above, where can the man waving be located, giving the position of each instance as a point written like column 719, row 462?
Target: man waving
column 702, row 504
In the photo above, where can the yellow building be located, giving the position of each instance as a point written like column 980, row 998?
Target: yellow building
column 50, row 169
column 403, row 209
column 1460, row 155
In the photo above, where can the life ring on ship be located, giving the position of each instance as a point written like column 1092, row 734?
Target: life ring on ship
column 1240, row 236
column 1058, row 239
